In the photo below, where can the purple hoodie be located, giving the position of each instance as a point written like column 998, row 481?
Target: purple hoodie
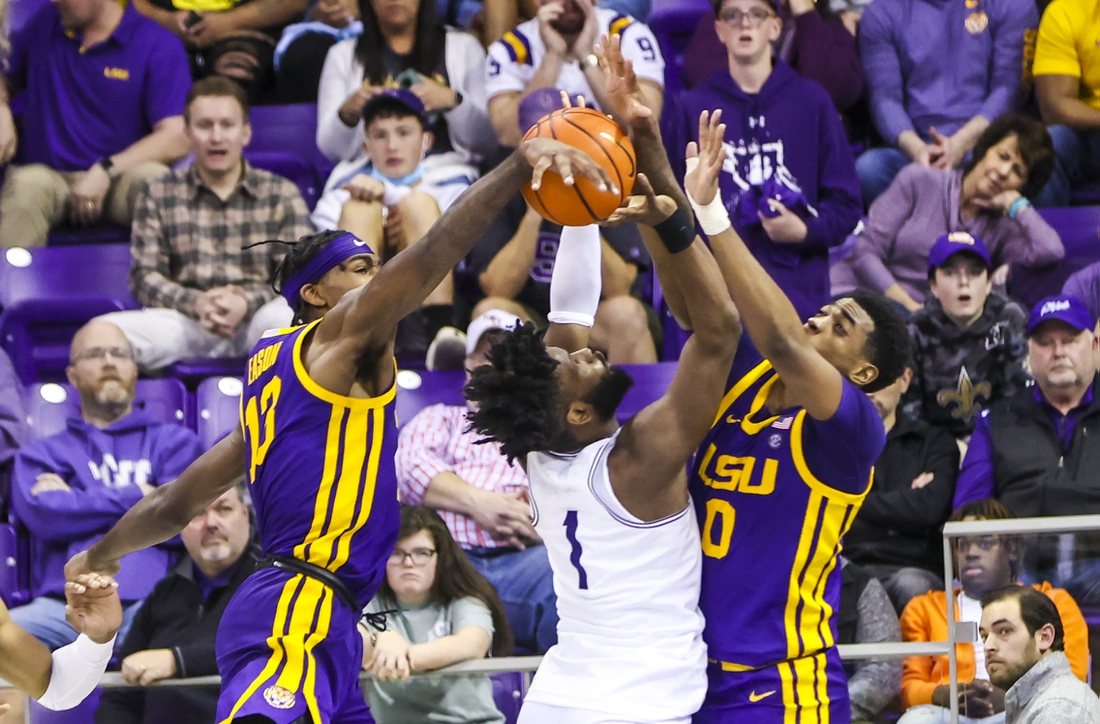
column 788, row 132
column 102, row 467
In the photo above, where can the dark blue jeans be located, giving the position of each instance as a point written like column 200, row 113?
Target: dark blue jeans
column 526, row 587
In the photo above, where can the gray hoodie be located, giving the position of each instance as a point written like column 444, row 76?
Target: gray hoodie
column 1050, row 694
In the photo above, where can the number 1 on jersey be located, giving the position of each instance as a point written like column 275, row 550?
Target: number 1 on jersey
column 575, row 550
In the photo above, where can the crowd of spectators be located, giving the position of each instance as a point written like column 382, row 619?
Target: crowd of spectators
column 900, row 146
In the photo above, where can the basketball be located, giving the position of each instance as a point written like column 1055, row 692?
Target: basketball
column 601, row 138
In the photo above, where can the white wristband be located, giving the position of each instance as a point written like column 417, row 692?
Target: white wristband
column 713, row 218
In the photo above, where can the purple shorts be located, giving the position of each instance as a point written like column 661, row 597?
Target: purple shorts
column 288, row 647
column 812, row 688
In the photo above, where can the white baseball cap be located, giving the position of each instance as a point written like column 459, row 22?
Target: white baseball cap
column 493, row 319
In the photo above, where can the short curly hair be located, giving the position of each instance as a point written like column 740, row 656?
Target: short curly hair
column 888, row 346
column 1033, row 143
column 516, row 396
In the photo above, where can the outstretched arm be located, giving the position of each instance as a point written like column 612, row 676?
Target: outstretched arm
column 167, row 510
column 367, row 318
column 647, row 464
column 768, row 314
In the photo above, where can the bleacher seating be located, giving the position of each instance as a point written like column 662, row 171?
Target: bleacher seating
column 283, row 142
column 49, row 405
column 1079, row 229
column 48, row 293
column 11, row 591
column 217, row 406
column 508, row 691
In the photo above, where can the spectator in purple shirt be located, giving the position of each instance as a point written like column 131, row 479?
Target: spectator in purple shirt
column 938, row 72
column 104, row 90
column 788, row 178
column 988, row 198
column 70, row 488
column 1032, row 450
column 1085, row 285
column 817, row 45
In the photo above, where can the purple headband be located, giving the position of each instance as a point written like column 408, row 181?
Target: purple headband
column 332, row 254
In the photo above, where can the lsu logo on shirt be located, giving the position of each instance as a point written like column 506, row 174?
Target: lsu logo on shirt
column 116, row 73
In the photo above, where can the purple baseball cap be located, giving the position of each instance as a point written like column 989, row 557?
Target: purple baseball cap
column 394, row 99
column 953, row 243
column 1064, row 308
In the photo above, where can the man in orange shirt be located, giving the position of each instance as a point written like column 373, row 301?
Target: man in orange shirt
column 983, row 563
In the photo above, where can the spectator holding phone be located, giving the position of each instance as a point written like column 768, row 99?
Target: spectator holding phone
column 403, row 46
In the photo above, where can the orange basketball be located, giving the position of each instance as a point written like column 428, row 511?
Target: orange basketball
column 601, row 138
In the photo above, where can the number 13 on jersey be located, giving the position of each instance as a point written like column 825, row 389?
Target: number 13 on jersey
column 259, row 438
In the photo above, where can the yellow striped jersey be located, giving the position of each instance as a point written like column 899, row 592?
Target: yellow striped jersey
column 774, row 494
column 319, row 466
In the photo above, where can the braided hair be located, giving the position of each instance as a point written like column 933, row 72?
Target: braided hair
column 516, row 396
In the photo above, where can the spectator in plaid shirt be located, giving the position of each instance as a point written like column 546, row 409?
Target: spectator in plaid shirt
column 205, row 293
column 482, row 499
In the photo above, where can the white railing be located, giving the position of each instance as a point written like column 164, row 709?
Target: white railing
column 528, row 664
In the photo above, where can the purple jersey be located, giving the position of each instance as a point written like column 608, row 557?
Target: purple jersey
column 319, row 466
column 774, row 494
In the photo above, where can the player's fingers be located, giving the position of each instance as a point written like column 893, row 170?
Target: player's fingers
column 641, row 181
column 565, row 168
column 538, row 170
column 628, row 70
column 581, row 102
column 566, row 102
column 692, row 150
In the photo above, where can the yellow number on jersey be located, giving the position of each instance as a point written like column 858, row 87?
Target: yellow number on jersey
column 268, row 398
column 720, row 513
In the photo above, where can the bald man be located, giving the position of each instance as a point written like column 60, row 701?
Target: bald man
column 70, row 488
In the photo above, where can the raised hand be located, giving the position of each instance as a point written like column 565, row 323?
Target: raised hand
column 645, row 208
column 582, row 46
column 551, row 38
column 701, row 180
column 92, row 606
column 544, row 154
column 621, row 83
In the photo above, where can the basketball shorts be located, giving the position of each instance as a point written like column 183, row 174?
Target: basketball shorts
column 288, row 647
column 809, row 689
column 538, row 713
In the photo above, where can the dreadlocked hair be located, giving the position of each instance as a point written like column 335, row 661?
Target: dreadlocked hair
column 300, row 254
column 516, row 395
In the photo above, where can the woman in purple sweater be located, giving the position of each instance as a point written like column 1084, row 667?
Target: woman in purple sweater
column 988, row 197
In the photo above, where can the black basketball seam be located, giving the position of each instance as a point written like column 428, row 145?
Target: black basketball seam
column 614, row 165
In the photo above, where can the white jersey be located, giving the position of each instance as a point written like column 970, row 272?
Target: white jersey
column 630, row 633
column 514, row 59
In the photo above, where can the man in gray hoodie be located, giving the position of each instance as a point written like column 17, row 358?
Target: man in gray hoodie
column 1023, row 655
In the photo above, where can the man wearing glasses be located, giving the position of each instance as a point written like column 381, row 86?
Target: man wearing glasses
column 983, row 564
column 789, row 181
column 70, row 488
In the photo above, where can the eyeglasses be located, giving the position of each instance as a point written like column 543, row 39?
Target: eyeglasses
column 418, row 556
column 119, row 353
column 985, row 543
column 756, row 16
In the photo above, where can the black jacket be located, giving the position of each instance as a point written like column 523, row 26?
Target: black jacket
column 1032, row 475
column 898, row 525
column 958, row 372
column 174, row 616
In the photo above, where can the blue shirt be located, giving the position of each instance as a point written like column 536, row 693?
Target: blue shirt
column 976, row 479
column 942, row 62
column 84, row 105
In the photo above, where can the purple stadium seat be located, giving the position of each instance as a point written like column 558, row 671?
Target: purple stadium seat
column 421, row 388
column 1079, row 229
column 11, row 591
column 673, row 27
column 48, row 293
column 217, row 402
column 105, row 233
column 289, row 129
column 194, row 371
column 1089, row 194
column 83, row 713
column 291, row 166
column 508, row 693
column 50, row 405
column 650, row 382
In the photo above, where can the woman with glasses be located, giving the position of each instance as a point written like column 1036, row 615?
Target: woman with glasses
column 439, row 611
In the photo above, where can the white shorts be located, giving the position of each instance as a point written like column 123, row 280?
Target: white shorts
column 534, row 712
